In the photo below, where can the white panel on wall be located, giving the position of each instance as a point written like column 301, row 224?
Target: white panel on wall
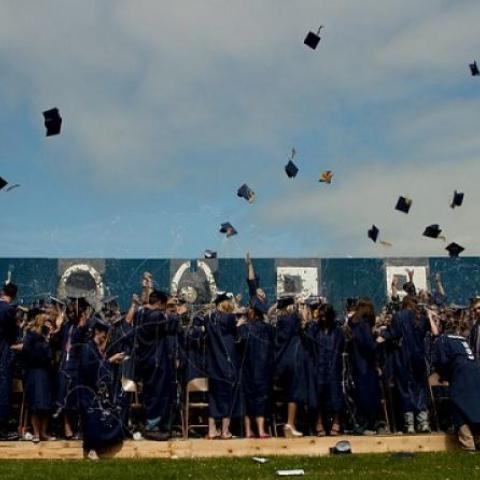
column 297, row 281
column 419, row 277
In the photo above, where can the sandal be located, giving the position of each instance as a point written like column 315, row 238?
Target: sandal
column 321, row 433
column 335, row 431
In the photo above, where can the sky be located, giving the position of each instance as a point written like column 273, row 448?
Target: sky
column 170, row 106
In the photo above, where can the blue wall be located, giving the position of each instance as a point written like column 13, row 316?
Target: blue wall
column 338, row 279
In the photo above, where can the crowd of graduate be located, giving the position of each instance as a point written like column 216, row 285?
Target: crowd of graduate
column 295, row 367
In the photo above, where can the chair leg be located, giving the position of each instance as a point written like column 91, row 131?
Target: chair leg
column 187, row 418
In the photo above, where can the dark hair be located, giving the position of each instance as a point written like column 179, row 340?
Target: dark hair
column 157, row 297
column 409, row 303
column 10, row 290
column 365, row 310
column 329, row 314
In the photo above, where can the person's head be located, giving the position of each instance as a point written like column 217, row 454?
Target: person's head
column 9, row 292
column 365, row 310
column 225, row 306
column 171, row 307
column 326, row 316
column 100, row 331
column 42, row 324
column 158, row 299
column 257, row 310
column 261, row 294
column 409, row 303
column 475, row 307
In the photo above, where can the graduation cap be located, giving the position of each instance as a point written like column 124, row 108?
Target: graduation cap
column 432, row 231
column 99, row 324
column 3, row 183
column 247, row 193
column 474, row 69
column 326, row 177
column 291, row 169
column 454, row 250
column 222, row 297
column 284, row 302
column 457, row 199
column 403, row 204
column 53, row 121
column 228, row 229
column 373, row 233
column 343, row 447
column 313, row 39
column 210, row 254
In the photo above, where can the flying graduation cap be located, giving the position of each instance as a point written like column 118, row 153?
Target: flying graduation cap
column 373, row 233
column 313, row 39
column 403, row 204
column 291, row 169
column 433, row 231
column 53, row 121
column 4, row 183
column 326, row 177
column 228, row 229
column 457, row 199
column 247, row 193
column 454, row 249
column 210, row 254
column 474, row 69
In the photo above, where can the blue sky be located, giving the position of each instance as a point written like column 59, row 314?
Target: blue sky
column 169, row 106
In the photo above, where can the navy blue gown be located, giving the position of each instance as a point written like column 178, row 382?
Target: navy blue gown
column 364, row 372
column 454, row 361
column 290, row 359
column 195, row 350
column 223, row 365
column 70, row 340
column 101, row 418
column 8, row 336
column 328, row 347
column 257, row 366
column 154, row 366
column 37, row 357
column 409, row 359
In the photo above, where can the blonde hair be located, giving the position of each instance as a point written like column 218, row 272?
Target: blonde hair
column 225, row 307
column 40, row 320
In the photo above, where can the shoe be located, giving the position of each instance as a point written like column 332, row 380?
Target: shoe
column 92, row 455
column 465, row 438
column 48, row 438
column 423, row 424
column 156, row 436
column 291, row 432
column 335, row 430
column 369, row 433
column 409, row 423
column 35, row 439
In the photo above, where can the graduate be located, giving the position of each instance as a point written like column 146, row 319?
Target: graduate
column 223, row 364
column 454, row 361
column 253, row 282
column 474, row 337
column 70, row 335
column 8, row 338
column 257, row 337
column 38, row 362
column 154, row 366
column 365, row 377
column 407, row 331
column 101, row 418
column 329, row 343
column 290, row 361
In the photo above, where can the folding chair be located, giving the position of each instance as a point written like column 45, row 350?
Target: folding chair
column 197, row 385
column 437, row 394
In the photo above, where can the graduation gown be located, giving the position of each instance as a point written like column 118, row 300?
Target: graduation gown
column 454, row 361
column 290, row 359
column 8, row 336
column 101, row 418
column 364, row 370
column 70, row 340
column 257, row 339
column 195, row 350
column 409, row 359
column 328, row 346
column 154, row 366
column 37, row 359
column 223, row 365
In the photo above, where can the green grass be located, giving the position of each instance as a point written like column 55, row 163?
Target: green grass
column 444, row 466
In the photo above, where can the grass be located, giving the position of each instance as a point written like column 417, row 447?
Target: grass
column 444, row 466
